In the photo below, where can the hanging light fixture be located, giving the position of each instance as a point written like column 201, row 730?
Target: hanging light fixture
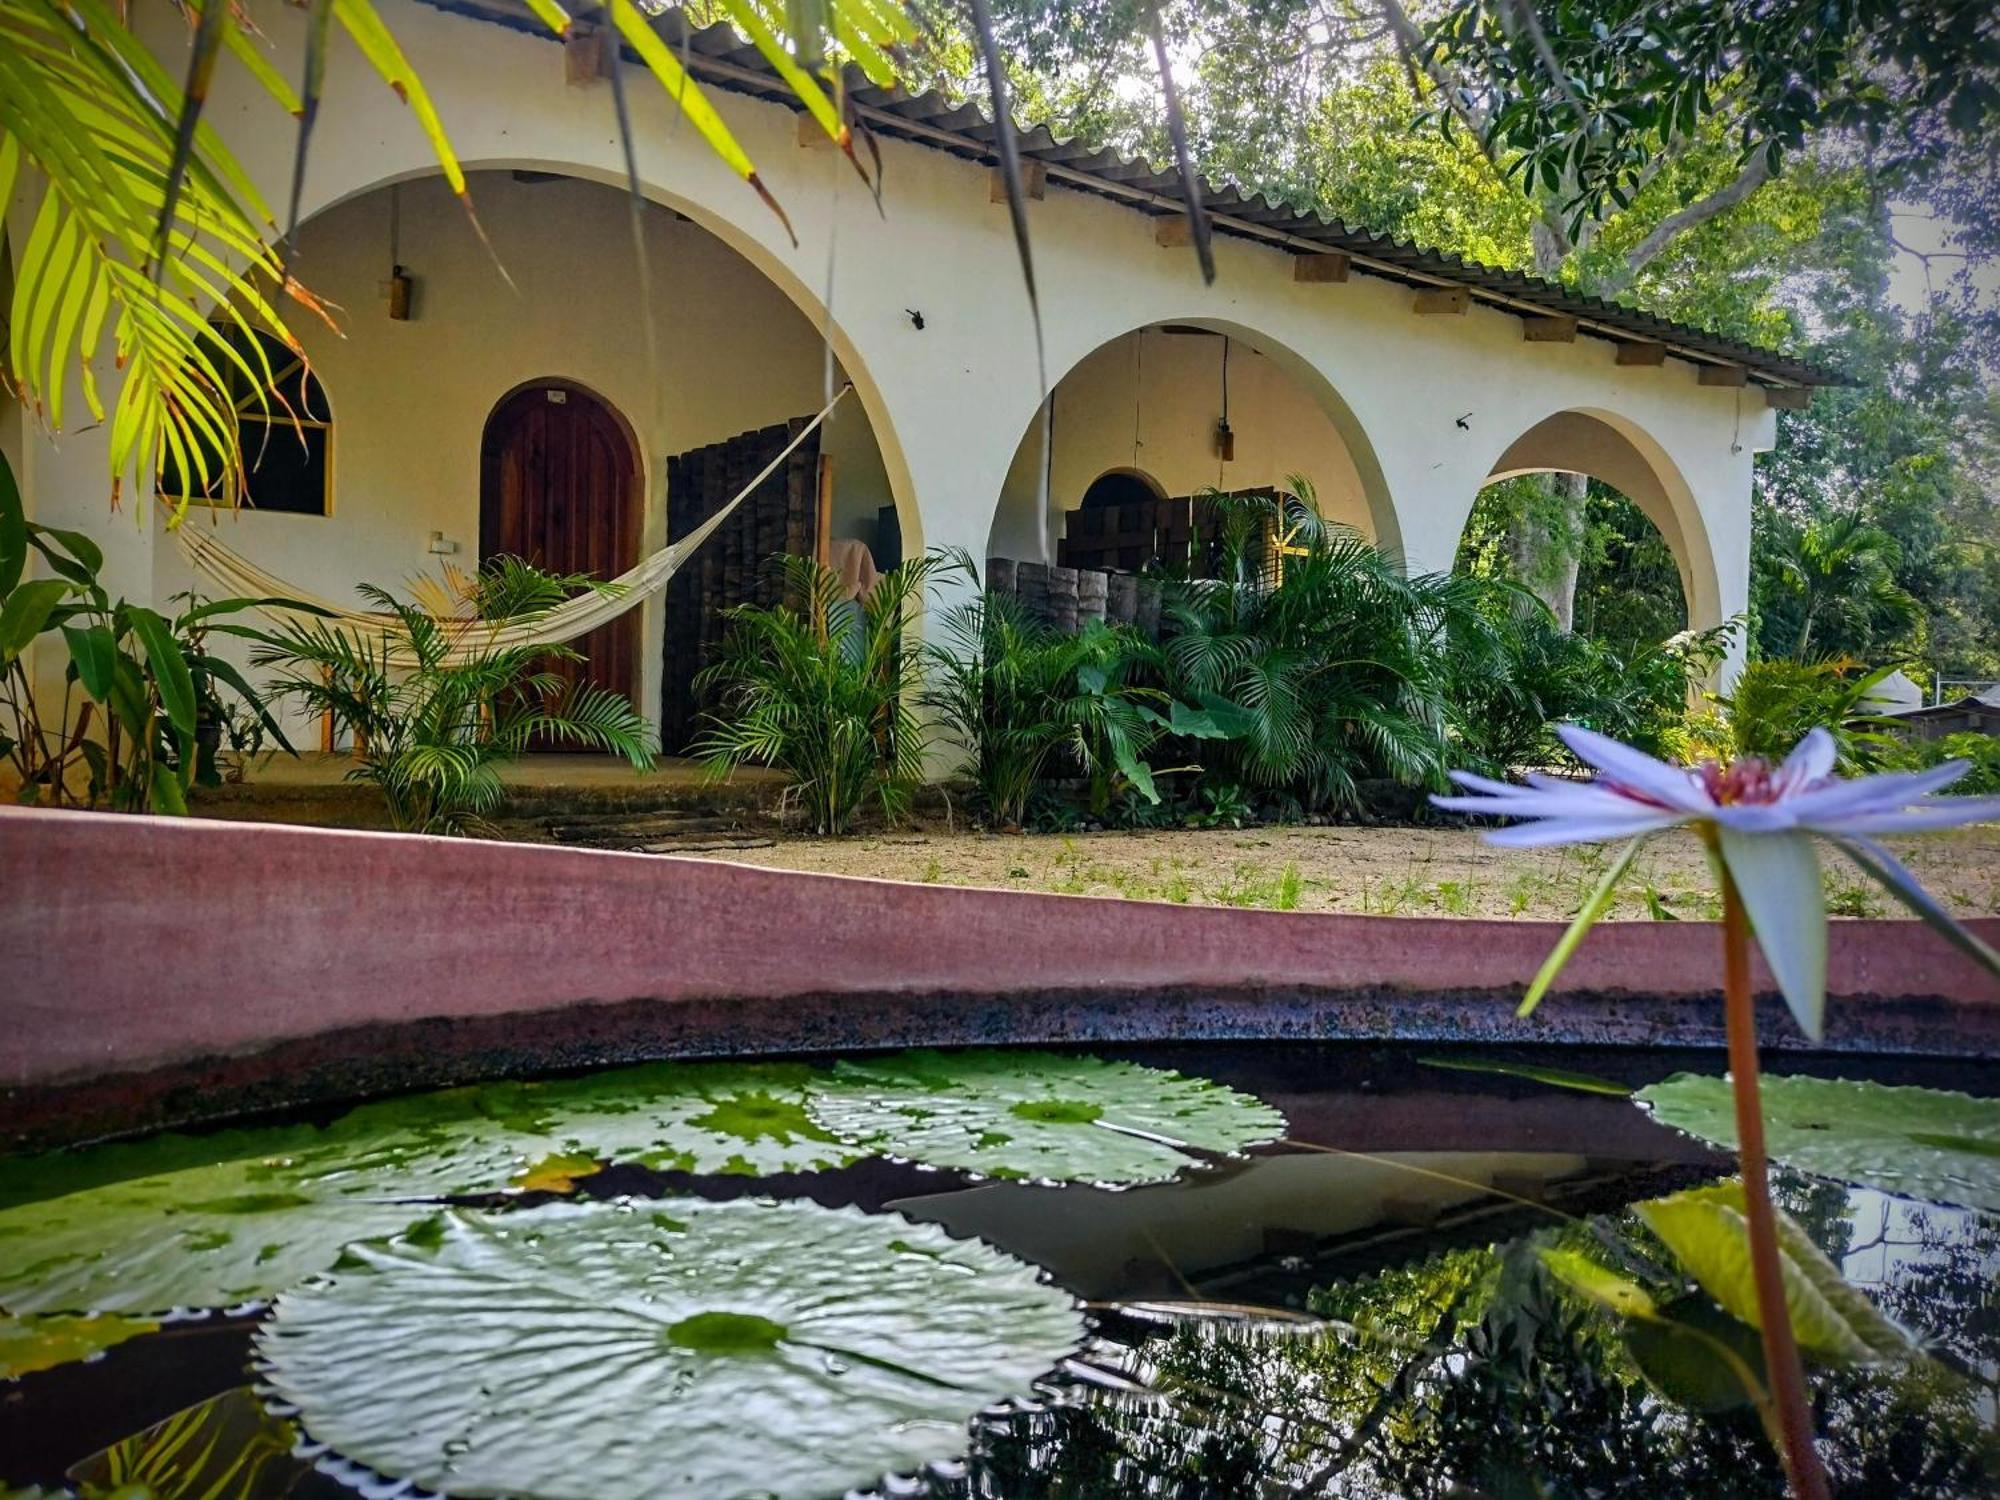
column 396, row 290
column 1225, row 439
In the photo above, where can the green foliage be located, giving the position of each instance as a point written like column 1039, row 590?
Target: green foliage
column 1981, row 752
column 825, row 690
column 1334, row 672
column 1773, row 705
column 1591, row 96
column 439, row 701
column 154, row 701
column 1025, row 700
column 1828, row 587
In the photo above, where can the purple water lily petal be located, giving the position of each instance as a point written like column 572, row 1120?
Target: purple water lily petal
column 1585, row 830
column 1671, row 786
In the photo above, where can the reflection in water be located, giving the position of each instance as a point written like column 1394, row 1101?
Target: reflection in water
column 1475, row 1373
column 1429, row 1353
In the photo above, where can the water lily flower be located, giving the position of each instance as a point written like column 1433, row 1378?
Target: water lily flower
column 1759, row 823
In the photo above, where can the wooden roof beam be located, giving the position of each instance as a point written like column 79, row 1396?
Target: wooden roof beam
column 1171, row 232
column 1034, row 181
column 1642, row 354
column 1442, row 300
column 1557, row 328
column 1321, row 269
column 1788, row 397
column 1728, row 376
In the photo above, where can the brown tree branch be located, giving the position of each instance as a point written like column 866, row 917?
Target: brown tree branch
column 1753, row 176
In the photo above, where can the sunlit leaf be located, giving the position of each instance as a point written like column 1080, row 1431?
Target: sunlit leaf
column 226, row 1448
column 31, row 1344
column 1040, row 1115
column 1707, row 1231
column 632, row 1350
column 1930, row 1144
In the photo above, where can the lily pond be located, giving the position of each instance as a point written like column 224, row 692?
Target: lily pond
column 1239, row 1270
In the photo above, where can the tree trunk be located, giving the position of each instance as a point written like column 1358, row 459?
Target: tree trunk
column 1547, row 544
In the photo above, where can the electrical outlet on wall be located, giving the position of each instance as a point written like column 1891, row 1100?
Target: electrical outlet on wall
column 440, row 545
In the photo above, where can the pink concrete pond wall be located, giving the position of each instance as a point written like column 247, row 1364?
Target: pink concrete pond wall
column 168, row 947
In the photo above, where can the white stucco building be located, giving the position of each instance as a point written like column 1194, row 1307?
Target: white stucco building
column 1398, row 381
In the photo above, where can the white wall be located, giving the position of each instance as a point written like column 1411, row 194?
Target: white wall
column 410, row 399
column 1149, row 401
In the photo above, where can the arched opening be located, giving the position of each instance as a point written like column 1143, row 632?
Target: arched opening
column 1628, row 552
column 1144, row 425
column 559, row 488
column 708, row 362
column 1117, row 487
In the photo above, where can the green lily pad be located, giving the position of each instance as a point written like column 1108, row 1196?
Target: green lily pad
column 31, row 1344
column 1921, row 1143
column 707, row 1117
column 627, row 1350
column 211, row 1221
column 1038, row 1115
column 198, row 1222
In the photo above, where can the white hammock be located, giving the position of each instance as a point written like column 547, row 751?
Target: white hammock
column 565, row 622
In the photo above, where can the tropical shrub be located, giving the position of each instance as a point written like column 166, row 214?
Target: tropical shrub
column 154, row 701
column 439, row 700
column 1022, row 699
column 1774, row 703
column 825, row 691
column 1324, row 675
column 1982, row 750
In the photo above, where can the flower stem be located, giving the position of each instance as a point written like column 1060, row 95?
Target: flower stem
column 1781, row 1351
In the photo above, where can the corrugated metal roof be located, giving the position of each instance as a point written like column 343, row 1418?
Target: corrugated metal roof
column 719, row 56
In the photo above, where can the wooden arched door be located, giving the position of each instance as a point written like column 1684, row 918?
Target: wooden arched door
column 559, row 486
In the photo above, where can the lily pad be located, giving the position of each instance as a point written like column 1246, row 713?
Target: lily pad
column 720, row 1117
column 31, row 1344
column 199, row 1222
column 1039, row 1115
column 210, row 1221
column 1921, row 1143
column 626, row 1350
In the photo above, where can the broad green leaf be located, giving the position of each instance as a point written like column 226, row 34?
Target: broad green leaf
column 661, row 1348
column 1930, row 1144
column 167, row 667
column 13, row 530
column 1594, row 907
column 95, row 653
column 207, row 1221
column 31, row 1344
column 226, row 1448
column 1598, row 1282
column 1708, row 1234
column 1039, row 1115
column 25, row 612
column 85, row 553
column 1698, row 1356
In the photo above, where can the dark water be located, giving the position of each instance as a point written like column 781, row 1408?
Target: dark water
column 1472, row 1375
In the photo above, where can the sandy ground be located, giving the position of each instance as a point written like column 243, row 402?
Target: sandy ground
column 1381, row 870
